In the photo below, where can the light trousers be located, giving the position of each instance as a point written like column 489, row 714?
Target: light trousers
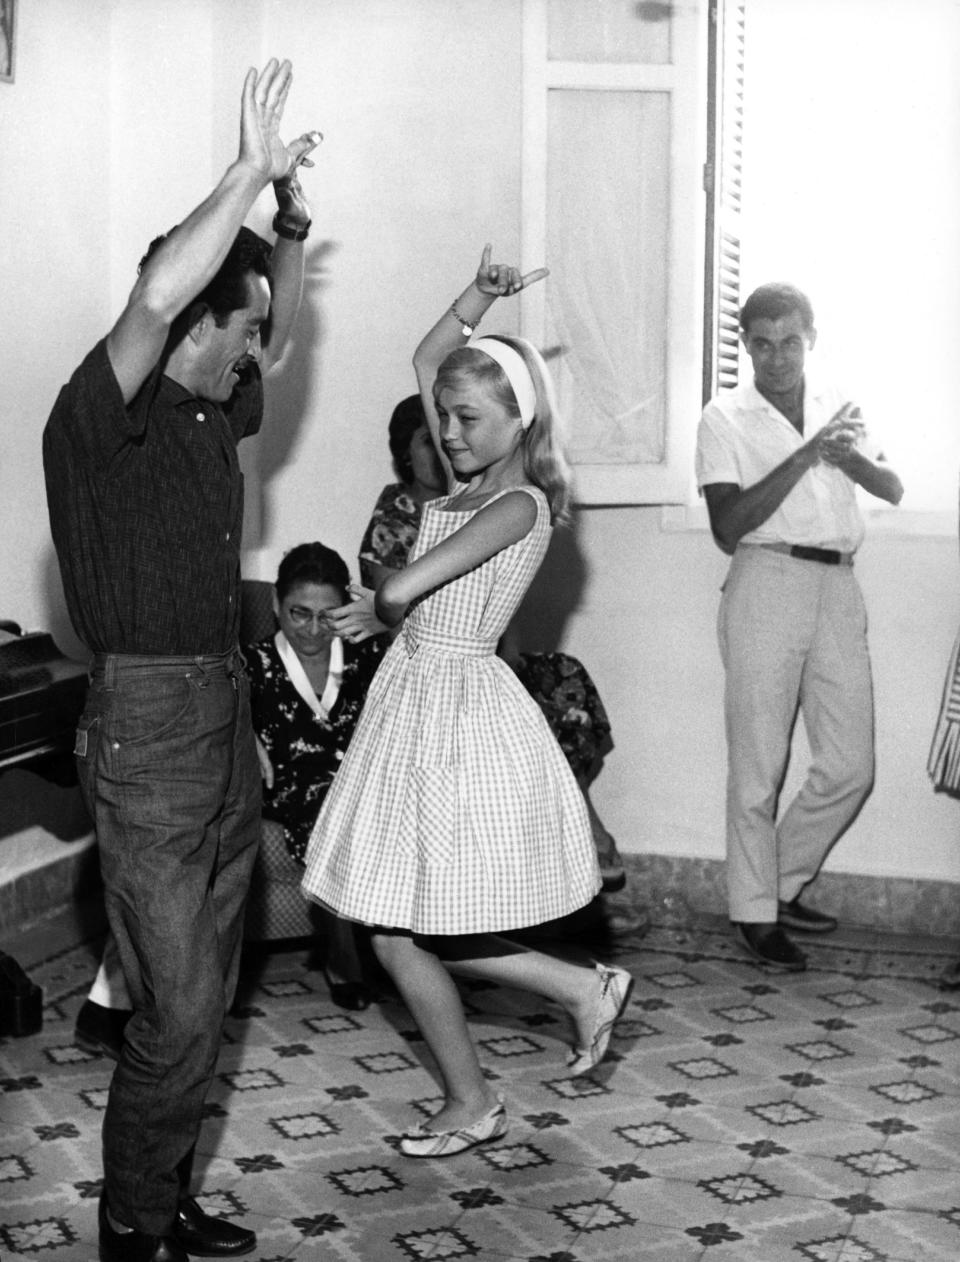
column 793, row 637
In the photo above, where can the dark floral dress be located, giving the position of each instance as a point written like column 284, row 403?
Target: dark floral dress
column 560, row 684
column 305, row 749
column 390, row 532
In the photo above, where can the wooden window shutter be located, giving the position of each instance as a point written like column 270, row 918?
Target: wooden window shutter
column 723, row 174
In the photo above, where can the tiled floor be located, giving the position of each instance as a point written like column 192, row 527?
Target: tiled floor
column 742, row 1116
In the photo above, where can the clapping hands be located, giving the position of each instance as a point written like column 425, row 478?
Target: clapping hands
column 264, row 97
column 838, row 439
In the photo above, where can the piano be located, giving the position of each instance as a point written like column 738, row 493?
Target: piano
column 42, row 693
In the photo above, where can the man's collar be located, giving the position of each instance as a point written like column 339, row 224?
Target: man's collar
column 812, row 389
column 174, row 393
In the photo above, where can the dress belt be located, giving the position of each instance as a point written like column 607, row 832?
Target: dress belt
column 826, row 556
column 463, row 646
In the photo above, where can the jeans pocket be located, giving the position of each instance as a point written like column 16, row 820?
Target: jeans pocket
column 149, row 709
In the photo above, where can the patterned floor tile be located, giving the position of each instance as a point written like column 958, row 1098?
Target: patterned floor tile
column 777, row 1230
column 741, row 1115
column 899, row 1235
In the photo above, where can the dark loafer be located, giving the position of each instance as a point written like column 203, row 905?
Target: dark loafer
column 354, row 996
column 950, row 977
column 207, row 1237
column 804, row 919
column 768, row 943
column 99, row 1030
column 135, row 1246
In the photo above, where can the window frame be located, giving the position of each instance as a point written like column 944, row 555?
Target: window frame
column 669, row 480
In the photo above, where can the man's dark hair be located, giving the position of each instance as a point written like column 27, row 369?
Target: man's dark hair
column 773, row 302
column 407, row 418
column 228, row 290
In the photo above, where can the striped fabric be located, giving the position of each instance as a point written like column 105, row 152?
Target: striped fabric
column 944, row 761
column 454, row 810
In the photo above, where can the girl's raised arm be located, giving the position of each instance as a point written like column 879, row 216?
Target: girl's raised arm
column 492, row 281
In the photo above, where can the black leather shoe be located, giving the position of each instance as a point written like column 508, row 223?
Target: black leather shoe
column 768, row 942
column 99, row 1030
column 804, row 919
column 614, row 879
column 354, row 996
column 135, row 1246
column 207, row 1237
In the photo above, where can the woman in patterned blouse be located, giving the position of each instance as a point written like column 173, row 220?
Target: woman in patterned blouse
column 307, row 690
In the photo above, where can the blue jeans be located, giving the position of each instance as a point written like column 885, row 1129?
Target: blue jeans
column 169, row 772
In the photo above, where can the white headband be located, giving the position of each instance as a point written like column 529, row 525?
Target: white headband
column 516, row 372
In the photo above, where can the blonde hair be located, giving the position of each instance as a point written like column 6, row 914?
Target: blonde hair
column 544, row 461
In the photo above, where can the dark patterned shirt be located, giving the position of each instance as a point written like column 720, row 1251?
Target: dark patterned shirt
column 305, row 748
column 146, row 510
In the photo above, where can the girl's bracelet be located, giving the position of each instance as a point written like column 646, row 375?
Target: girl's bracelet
column 465, row 326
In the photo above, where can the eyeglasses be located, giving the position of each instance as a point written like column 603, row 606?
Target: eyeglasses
column 302, row 617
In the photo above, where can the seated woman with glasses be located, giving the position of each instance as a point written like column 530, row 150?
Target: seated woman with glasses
column 307, row 688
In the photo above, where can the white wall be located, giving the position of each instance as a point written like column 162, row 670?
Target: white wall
column 126, row 113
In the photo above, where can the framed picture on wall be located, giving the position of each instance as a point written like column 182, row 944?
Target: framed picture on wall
column 8, row 36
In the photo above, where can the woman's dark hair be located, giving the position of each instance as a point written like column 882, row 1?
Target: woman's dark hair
column 773, row 302
column 312, row 563
column 406, row 420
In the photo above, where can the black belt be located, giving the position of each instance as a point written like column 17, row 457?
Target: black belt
column 826, row 556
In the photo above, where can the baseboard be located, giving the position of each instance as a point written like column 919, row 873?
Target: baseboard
column 669, row 888
column 678, row 889
column 48, row 889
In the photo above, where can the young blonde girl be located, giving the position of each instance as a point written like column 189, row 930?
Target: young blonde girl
column 454, row 817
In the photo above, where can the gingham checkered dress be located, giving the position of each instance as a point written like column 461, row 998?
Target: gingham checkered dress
column 454, row 810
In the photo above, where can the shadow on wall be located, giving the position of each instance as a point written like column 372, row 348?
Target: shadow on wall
column 290, row 393
column 554, row 596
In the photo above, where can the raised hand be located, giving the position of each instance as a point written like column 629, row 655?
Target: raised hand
column 264, row 97
column 500, row 279
column 357, row 620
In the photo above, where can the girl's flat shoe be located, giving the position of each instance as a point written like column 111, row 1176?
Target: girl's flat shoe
column 424, row 1143
column 616, row 985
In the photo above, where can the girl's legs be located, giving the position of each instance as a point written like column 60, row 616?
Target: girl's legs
column 574, row 987
column 434, row 1002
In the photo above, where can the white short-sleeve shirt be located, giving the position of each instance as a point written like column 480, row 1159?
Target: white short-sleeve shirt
column 742, row 437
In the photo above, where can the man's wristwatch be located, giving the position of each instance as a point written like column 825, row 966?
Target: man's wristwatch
column 288, row 228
